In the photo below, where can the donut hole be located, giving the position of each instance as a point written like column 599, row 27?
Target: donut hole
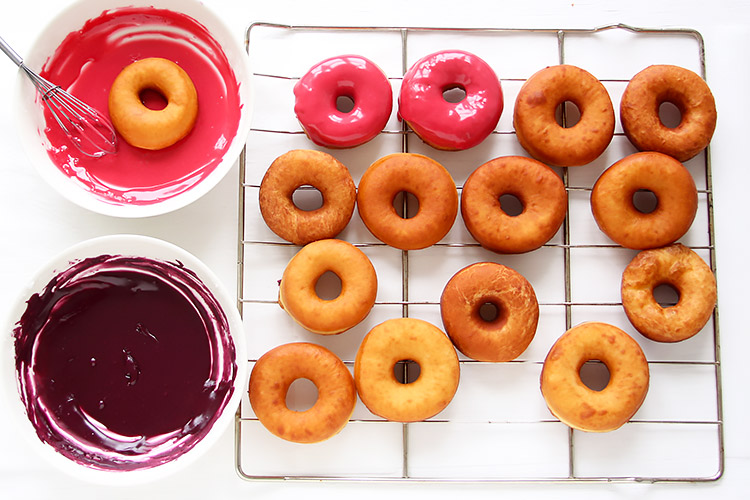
column 489, row 312
column 670, row 114
column 511, row 205
column 567, row 114
column 328, row 286
column 666, row 295
column 406, row 371
column 594, row 374
column 301, row 395
column 645, row 201
column 153, row 99
column 344, row 104
column 454, row 93
column 406, row 204
column 307, row 198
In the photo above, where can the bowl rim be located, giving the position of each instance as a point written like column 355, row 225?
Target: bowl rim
column 136, row 246
column 30, row 129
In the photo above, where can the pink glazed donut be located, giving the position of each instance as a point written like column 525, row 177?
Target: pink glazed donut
column 349, row 76
column 448, row 125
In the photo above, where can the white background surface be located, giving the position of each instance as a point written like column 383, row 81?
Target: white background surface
column 36, row 223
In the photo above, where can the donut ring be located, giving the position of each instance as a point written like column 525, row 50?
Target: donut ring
column 359, row 286
column 617, row 216
column 299, row 168
column 540, row 134
column 570, row 400
column 269, row 383
column 403, row 339
column 680, row 267
column 146, row 128
column 639, row 111
column 423, row 177
column 451, row 125
column 539, row 189
column 509, row 334
column 350, row 76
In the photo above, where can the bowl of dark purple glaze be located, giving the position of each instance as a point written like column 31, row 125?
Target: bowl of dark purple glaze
column 127, row 359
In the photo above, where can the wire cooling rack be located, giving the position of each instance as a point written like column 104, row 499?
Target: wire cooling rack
column 497, row 428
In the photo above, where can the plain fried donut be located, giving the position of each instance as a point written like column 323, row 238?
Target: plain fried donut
column 681, row 268
column 424, row 178
column 351, row 77
column 537, row 129
column 539, row 189
column 274, row 373
column 359, row 284
column 652, row 87
column 502, row 338
column 671, row 183
column 148, row 128
column 403, row 339
column 580, row 407
column 445, row 124
column 320, row 170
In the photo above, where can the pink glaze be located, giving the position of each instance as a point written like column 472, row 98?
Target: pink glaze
column 87, row 62
column 443, row 124
column 350, row 76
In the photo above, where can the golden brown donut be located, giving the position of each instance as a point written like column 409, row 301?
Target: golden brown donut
column 538, row 188
column 403, row 339
column 301, row 167
column 419, row 175
column 652, row 87
column 680, row 267
column 147, row 128
column 275, row 371
column 580, row 407
column 617, row 216
column 359, row 285
column 537, row 129
column 506, row 336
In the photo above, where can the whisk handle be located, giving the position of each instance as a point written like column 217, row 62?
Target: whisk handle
column 10, row 52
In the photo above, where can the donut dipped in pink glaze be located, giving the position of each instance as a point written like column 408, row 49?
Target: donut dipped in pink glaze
column 318, row 97
column 446, row 125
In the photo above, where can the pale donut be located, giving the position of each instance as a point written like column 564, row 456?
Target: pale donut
column 580, row 407
column 359, row 284
column 404, row 339
column 147, row 128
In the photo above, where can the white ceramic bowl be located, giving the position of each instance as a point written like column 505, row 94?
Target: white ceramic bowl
column 31, row 122
column 129, row 246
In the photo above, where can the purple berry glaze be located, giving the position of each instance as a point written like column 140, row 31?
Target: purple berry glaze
column 124, row 363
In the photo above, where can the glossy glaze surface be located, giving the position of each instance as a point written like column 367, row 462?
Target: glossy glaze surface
column 351, row 77
column 451, row 125
column 123, row 362
column 87, row 62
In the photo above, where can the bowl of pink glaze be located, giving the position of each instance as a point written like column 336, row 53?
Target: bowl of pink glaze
column 123, row 359
column 83, row 50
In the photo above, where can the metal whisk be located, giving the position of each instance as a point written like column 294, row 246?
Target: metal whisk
column 87, row 129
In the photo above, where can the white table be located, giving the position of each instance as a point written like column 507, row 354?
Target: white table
column 37, row 223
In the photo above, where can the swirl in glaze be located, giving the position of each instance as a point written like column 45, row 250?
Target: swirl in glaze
column 124, row 363
column 448, row 125
column 348, row 76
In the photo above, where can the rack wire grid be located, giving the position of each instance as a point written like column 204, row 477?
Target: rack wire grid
column 497, row 428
